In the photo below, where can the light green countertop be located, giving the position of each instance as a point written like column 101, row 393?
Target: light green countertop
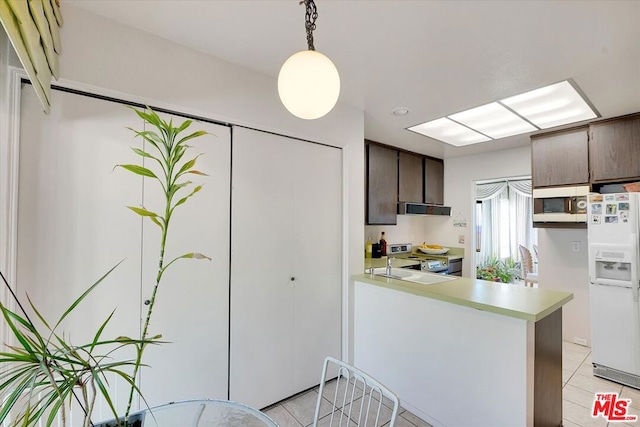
column 502, row 298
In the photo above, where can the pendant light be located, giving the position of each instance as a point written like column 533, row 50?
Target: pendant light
column 308, row 83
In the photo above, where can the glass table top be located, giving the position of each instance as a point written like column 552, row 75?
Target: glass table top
column 199, row 413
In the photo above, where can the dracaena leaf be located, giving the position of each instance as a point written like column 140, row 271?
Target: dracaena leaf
column 142, row 153
column 157, row 222
column 184, row 199
column 139, row 170
column 193, row 135
column 184, row 125
column 188, row 165
column 143, row 212
column 195, row 172
column 150, row 117
column 84, row 295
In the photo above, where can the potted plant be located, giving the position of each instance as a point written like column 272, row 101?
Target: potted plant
column 496, row 270
column 43, row 372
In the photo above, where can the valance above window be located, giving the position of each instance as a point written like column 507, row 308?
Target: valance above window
column 33, row 28
column 493, row 189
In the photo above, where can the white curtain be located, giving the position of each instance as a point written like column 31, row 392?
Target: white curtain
column 505, row 218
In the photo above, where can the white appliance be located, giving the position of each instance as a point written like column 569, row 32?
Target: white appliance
column 613, row 230
column 560, row 204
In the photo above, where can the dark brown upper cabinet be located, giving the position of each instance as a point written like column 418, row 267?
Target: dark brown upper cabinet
column 410, row 181
column 382, row 185
column 433, row 181
column 614, row 149
column 560, row 158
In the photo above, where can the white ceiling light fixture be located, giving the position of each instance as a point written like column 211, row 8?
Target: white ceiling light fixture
column 550, row 106
column 450, row 132
column 308, row 82
column 493, row 120
column 553, row 105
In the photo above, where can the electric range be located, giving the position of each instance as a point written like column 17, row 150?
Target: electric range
column 428, row 264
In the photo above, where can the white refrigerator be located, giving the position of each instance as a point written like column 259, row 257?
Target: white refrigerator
column 613, row 230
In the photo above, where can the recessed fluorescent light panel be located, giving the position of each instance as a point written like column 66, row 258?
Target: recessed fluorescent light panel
column 450, row 132
column 493, row 120
column 543, row 108
column 550, row 106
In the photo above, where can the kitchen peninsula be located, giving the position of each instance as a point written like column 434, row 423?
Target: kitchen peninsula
column 464, row 352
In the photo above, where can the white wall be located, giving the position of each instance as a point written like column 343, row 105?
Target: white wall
column 460, row 174
column 562, row 269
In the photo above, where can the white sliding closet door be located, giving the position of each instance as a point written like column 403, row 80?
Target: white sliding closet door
column 285, row 265
column 73, row 225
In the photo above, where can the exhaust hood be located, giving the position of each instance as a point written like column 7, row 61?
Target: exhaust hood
column 409, row 208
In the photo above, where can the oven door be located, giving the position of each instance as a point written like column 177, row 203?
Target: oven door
column 413, row 267
column 438, row 270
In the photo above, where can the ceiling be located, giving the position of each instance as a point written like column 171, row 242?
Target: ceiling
column 433, row 57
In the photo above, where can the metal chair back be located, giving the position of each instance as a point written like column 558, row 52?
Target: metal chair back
column 353, row 398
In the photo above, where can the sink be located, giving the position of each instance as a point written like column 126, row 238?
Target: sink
column 430, row 278
column 396, row 273
column 414, row 276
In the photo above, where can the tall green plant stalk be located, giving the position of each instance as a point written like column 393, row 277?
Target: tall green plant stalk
column 167, row 153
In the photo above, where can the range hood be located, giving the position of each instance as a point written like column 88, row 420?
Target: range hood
column 410, row 208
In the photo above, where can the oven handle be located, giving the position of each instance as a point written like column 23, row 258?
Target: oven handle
column 444, row 270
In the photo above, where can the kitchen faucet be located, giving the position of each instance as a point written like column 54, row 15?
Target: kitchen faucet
column 389, row 261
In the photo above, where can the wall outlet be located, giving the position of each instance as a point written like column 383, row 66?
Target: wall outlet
column 580, row 341
column 575, row 246
column 461, row 239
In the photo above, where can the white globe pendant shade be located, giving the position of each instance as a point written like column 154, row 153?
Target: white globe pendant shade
column 308, row 84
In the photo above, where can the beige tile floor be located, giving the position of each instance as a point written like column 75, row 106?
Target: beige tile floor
column 299, row 410
column 579, row 388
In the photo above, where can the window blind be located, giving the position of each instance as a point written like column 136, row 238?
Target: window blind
column 33, row 28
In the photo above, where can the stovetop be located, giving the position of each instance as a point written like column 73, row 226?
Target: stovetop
column 428, row 263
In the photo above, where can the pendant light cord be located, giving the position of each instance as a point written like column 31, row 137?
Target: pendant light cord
column 310, row 16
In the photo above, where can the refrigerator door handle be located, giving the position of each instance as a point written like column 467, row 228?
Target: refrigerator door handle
column 613, row 282
column 634, row 260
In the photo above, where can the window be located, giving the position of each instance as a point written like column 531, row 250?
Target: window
column 503, row 219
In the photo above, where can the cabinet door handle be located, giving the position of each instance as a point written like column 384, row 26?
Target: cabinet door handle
column 147, row 302
column 293, row 279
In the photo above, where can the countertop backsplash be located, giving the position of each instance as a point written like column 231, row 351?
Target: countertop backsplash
column 410, row 229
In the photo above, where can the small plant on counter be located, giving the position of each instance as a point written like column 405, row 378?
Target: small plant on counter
column 497, row 270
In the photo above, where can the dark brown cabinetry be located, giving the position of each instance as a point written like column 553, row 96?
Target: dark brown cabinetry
column 394, row 176
column 433, row 181
column 382, row 184
column 560, row 158
column 410, row 181
column 614, row 149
